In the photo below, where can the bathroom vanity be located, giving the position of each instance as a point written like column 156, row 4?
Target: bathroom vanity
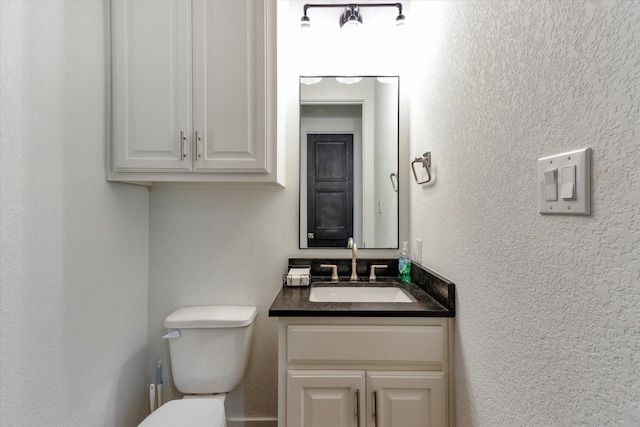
column 373, row 364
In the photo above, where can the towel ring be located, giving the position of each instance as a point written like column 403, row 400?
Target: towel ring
column 426, row 163
column 394, row 183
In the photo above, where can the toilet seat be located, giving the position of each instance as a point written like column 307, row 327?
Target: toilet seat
column 188, row 412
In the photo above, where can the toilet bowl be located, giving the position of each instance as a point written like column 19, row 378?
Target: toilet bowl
column 209, row 349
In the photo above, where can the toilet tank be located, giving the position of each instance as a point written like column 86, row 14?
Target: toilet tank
column 212, row 351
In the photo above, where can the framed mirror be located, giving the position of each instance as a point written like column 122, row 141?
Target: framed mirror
column 349, row 161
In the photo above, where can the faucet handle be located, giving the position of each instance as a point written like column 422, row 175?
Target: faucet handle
column 372, row 275
column 334, row 271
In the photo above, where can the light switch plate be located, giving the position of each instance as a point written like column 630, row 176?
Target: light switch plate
column 581, row 205
column 418, row 252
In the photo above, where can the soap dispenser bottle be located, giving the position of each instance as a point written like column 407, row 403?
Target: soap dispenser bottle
column 404, row 264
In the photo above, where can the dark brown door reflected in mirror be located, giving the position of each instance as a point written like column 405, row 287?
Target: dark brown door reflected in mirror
column 329, row 189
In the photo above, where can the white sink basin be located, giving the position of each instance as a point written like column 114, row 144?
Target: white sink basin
column 358, row 294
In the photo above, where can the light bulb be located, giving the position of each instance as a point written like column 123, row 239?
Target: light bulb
column 305, row 23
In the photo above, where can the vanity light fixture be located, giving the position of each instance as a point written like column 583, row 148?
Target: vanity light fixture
column 351, row 16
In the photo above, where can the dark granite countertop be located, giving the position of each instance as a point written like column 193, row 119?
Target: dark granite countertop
column 434, row 297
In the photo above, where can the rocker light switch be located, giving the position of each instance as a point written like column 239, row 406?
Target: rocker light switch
column 551, row 185
column 568, row 191
column 564, row 183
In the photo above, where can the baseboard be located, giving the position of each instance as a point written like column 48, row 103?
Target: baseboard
column 252, row 422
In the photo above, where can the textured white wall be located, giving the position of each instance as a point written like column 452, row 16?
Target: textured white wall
column 548, row 306
column 74, row 248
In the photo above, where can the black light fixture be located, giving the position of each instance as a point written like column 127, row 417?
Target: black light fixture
column 351, row 16
column 400, row 20
column 305, row 22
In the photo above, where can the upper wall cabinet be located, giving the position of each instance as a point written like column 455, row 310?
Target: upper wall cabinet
column 194, row 91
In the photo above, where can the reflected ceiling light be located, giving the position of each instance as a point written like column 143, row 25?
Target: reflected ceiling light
column 351, row 16
column 348, row 80
column 310, row 80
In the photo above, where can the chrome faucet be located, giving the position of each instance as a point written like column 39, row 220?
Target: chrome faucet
column 354, row 259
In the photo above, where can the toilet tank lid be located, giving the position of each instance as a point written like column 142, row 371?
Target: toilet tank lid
column 212, row 316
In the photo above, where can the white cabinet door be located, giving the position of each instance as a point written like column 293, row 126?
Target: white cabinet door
column 325, row 398
column 151, row 56
column 232, row 77
column 406, row 399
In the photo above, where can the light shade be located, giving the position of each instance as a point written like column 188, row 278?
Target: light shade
column 350, row 25
column 305, row 22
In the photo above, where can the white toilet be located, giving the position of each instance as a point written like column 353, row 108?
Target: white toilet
column 209, row 348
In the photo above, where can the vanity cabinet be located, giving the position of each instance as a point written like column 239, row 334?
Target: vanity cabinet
column 194, row 91
column 373, row 372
